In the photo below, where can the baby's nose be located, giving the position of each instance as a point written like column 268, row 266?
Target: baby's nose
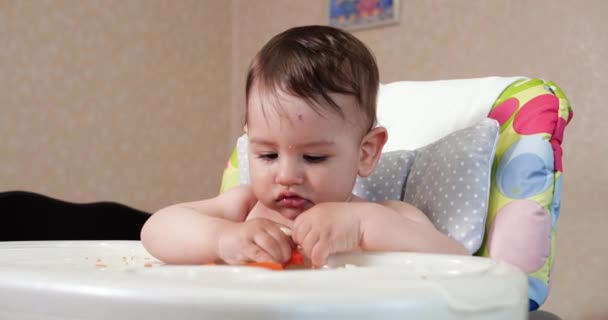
column 289, row 174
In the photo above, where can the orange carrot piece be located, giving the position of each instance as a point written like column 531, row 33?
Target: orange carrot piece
column 267, row 265
column 296, row 257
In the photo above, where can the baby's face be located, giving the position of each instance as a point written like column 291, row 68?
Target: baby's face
column 298, row 158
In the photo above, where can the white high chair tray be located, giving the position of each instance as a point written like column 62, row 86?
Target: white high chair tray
column 120, row 280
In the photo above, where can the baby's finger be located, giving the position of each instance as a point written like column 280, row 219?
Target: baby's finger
column 270, row 245
column 309, row 242
column 319, row 253
column 238, row 258
column 300, row 230
column 256, row 254
column 284, row 241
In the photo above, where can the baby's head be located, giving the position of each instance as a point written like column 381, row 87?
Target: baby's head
column 312, row 62
column 310, row 116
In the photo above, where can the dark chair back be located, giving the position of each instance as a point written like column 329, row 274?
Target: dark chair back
column 31, row 216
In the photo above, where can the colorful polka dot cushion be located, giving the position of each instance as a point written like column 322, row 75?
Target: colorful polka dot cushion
column 526, row 181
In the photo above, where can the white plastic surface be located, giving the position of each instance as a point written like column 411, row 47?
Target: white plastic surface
column 119, row 280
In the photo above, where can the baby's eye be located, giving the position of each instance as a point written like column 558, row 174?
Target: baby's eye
column 314, row 159
column 268, row 156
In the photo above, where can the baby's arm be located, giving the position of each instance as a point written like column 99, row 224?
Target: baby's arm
column 188, row 233
column 399, row 226
column 333, row 227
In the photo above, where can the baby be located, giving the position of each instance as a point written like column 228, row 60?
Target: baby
column 310, row 118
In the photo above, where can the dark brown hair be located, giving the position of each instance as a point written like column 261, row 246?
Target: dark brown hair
column 310, row 62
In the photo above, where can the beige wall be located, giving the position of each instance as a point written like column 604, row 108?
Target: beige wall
column 140, row 101
column 114, row 100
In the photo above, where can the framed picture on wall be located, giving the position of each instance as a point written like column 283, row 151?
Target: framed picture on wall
column 359, row 14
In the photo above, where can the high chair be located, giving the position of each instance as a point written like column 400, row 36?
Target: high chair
column 511, row 212
column 481, row 157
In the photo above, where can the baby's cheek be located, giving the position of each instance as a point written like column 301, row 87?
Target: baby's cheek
column 260, row 176
column 335, row 186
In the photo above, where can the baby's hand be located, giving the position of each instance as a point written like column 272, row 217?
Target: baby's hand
column 325, row 229
column 256, row 240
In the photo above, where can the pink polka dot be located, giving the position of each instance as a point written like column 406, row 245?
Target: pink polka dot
column 503, row 111
column 556, row 143
column 537, row 115
column 521, row 235
column 558, row 133
column 570, row 115
column 557, row 155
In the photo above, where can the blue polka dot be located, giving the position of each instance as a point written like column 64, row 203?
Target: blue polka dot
column 537, row 291
column 555, row 203
column 524, row 176
column 533, row 306
column 526, row 168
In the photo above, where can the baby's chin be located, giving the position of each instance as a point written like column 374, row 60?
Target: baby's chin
column 291, row 213
column 283, row 216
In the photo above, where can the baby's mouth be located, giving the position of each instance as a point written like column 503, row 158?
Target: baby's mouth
column 292, row 201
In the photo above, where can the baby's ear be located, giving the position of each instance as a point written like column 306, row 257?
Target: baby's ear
column 370, row 150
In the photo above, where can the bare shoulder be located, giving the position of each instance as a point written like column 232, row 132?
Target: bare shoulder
column 407, row 210
column 242, row 193
column 233, row 204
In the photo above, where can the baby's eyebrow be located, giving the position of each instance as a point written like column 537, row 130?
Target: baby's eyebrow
column 261, row 142
column 319, row 143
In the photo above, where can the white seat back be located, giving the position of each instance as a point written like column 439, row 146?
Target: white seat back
column 417, row 113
